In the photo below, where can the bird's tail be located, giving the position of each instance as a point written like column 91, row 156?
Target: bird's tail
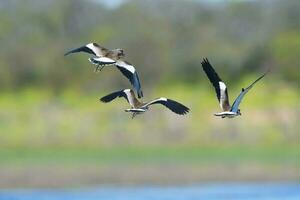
column 94, row 61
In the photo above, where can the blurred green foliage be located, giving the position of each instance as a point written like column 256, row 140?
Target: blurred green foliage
column 165, row 40
column 36, row 118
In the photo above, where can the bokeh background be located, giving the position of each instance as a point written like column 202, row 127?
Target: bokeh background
column 54, row 132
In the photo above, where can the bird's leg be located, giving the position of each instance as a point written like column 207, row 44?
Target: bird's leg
column 133, row 115
column 96, row 68
column 102, row 66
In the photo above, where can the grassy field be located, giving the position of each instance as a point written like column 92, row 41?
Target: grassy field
column 77, row 167
column 276, row 155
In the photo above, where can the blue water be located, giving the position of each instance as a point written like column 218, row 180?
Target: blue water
column 190, row 192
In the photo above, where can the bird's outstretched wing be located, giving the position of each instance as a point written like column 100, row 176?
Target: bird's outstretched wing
column 91, row 48
column 112, row 96
column 219, row 85
column 129, row 71
column 238, row 100
column 128, row 94
column 174, row 106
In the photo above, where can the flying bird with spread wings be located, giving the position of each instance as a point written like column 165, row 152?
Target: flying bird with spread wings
column 104, row 57
column 138, row 107
column 222, row 94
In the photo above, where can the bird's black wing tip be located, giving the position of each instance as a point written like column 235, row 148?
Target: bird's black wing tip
column 103, row 100
column 185, row 111
column 205, row 61
column 177, row 107
column 140, row 94
column 67, row 53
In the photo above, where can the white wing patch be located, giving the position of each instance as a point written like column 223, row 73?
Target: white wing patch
column 129, row 96
column 222, row 92
column 95, row 49
column 223, row 96
column 222, row 86
column 126, row 66
column 162, row 99
column 127, row 92
column 90, row 46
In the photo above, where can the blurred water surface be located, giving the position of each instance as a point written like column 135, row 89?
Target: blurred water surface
column 234, row 191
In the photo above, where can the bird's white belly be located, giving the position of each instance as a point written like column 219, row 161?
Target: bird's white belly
column 227, row 114
column 135, row 110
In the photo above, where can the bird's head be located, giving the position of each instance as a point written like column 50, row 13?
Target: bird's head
column 119, row 53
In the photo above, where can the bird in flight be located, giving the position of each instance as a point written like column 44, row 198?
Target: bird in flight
column 222, row 94
column 138, row 107
column 105, row 57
